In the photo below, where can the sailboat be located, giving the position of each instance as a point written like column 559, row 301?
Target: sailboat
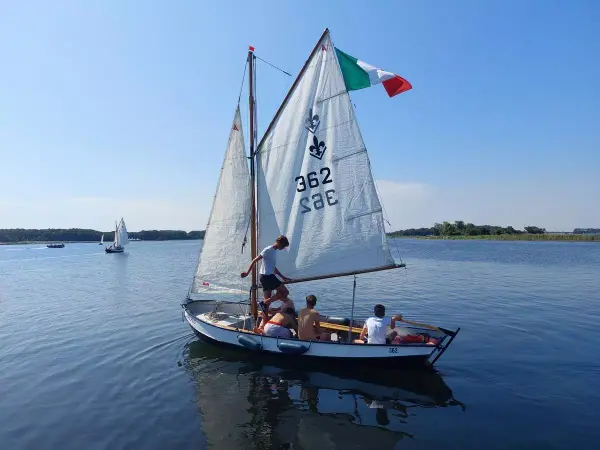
column 309, row 179
column 101, row 240
column 121, row 238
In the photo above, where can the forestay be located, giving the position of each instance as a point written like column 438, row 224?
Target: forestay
column 224, row 255
column 314, row 180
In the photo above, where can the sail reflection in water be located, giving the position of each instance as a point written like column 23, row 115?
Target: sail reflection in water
column 252, row 401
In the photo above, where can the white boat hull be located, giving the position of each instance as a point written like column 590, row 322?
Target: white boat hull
column 331, row 352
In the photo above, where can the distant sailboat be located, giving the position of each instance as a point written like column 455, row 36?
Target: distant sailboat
column 121, row 238
column 101, row 240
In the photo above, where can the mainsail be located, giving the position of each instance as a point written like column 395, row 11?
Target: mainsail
column 224, row 255
column 123, row 236
column 117, row 237
column 314, row 179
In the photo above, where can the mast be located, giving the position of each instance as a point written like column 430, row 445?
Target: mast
column 253, row 250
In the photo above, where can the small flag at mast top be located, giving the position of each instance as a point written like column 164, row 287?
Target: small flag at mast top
column 250, row 48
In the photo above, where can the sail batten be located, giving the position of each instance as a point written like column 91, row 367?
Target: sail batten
column 222, row 260
column 314, row 179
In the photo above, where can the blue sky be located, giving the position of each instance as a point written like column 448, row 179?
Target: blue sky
column 122, row 108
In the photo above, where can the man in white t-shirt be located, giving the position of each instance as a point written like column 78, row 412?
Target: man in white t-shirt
column 269, row 272
column 375, row 328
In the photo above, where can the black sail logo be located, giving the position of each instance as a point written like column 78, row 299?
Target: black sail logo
column 312, row 122
column 317, row 149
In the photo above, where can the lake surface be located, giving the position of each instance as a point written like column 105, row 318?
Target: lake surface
column 94, row 355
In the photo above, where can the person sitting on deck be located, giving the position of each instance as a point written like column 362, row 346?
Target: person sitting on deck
column 263, row 318
column 309, row 328
column 280, row 324
column 375, row 327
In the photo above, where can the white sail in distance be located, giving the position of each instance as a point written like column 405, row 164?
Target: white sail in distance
column 117, row 237
column 314, row 180
column 225, row 253
column 123, row 236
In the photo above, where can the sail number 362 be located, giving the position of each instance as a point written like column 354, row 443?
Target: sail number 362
column 316, row 201
column 313, row 179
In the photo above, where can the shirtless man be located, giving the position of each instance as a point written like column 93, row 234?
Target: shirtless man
column 269, row 272
column 279, row 325
column 285, row 303
column 309, row 328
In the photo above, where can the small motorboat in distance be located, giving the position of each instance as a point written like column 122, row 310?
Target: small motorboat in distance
column 55, row 245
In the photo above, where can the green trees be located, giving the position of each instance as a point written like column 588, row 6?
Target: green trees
column 535, row 230
column 586, row 231
column 460, row 228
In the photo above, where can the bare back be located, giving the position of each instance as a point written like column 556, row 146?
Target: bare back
column 282, row 319
column 307, row 320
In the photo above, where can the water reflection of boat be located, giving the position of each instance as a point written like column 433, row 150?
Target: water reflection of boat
column 263, row 402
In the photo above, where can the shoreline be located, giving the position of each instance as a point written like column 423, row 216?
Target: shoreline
column 89, row 242
column 513, row 237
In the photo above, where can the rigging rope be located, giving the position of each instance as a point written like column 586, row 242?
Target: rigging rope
column 243, row 78
column 274, row 67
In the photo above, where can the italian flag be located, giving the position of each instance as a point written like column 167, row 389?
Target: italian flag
column 359, row 75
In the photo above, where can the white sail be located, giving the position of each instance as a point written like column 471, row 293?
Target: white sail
column 117, row 237
column 224, row 255
column 102, row 239
column 314, row 180
column 123, row 236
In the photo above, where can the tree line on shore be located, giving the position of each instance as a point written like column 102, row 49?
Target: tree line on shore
column 586, row 231
column 460, row 228
column 87, row 235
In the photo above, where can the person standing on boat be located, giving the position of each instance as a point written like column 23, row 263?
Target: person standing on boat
column 269, row 272
column 309, row 328
column 375, row 327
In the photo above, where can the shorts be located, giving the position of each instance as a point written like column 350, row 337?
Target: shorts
column 275, row 330
column 269, row 282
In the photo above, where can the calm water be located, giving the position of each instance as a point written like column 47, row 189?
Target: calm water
column 94, row 355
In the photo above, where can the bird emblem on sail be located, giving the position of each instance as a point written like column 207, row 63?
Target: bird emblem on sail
column 317, row 149
column 312, row 122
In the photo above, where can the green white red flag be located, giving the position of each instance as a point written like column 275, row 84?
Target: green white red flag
column 359, row 75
